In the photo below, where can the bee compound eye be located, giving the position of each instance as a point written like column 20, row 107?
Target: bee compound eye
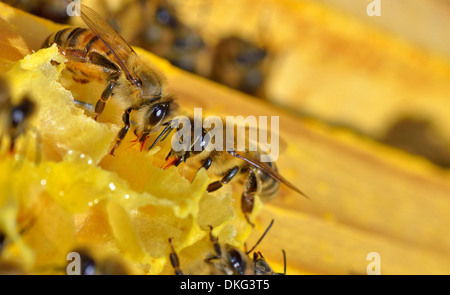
column 158, row 112
column 235, row 261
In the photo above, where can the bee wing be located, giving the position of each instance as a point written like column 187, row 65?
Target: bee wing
column 118, row 46
column 269, row 170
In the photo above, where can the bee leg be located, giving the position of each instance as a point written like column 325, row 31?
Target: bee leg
column 174, row 259
column 226, row 179
column 113, row 74
column 248, row 196
column 206, row 164
column 123, row 131
column 284, row 269
column 106, row 94
column 216, row 246
column 76, row 55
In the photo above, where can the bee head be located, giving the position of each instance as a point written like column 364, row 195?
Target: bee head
column 237, row 261
column 197, row 143
column 157, row 114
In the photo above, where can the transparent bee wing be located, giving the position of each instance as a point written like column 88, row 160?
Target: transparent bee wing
column 267, row 169
column 118, row 46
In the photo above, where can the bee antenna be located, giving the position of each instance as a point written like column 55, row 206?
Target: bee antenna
column 167, row 133
column 262, row 237
column 284, row 260
column 163, row 135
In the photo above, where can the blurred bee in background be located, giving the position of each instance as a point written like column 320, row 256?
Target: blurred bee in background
column 100, row 53
column 229, row 260
column 241, row 65
column 54, row 10
column 166, row 35
column 418, row 136
column 92, row 266
column 259, row 178
column 15, row 117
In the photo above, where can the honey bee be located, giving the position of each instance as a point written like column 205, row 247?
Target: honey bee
column 259, row 178
column 15, row 117
column 229, row 260
column 241, row 65
column 101, row 53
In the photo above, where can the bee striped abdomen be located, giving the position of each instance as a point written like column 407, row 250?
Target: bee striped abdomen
column 269, row 185
column 83, row 48
column 80, row 43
